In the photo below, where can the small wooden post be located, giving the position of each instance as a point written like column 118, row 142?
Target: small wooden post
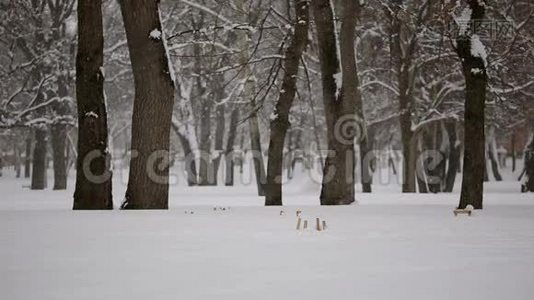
column 318, row 224
column 324, row 224
column 298, row 223
column 305, row 224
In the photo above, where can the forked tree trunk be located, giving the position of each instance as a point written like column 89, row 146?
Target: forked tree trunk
column 280, row 120
column 474, row 70
column 93, row 177
column 148, row 184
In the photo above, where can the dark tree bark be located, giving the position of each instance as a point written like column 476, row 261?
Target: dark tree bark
column 514, row 152
column 28, row 155
column 59, row 139
column 229, row 153
column 474, row 70
column 148, row 184
column 280, row 121
column 340, row 110
column 454, row 156
column 93, row 177
column 39, row 180
column 492, row 155
column 528, row 185
column 18, row 161
column 257, row 153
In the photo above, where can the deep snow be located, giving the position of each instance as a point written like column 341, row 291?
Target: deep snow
column 390, row 246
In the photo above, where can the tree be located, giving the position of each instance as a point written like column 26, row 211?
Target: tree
column 340, row 108
column 93, row 177
column 351, row 90
column 148, row 184
column 280, row 118
column 528, row 185
column 473, row 56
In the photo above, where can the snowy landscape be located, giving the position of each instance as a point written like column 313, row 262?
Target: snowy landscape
column 389, row 246
column 266, row 149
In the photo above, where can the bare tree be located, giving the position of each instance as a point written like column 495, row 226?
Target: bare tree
column 280, row 118
column 473, row 56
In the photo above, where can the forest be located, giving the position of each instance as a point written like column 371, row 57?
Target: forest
column 343, row 108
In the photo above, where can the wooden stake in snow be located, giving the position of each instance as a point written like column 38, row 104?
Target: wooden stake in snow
column 298, row 223
column 324, row 224
column 467, row 211
column 318, row 224
column 305, row 224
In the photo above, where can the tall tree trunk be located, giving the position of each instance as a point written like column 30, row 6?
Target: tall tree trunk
column 528, row 185
column 402, row 55
column 219, row 134
column 148, row 184
column 248, row 96
column 28, row 155
column 340, row 110
column 229, row 153
column 18, row 161
column 39, row 179
column 514, row 152
column 206, row 174
column 280, row 120
column 93, row 177
column 59, row 138
column 350, row 70
column 492, row 154
column 474, row 70
column 255, row 146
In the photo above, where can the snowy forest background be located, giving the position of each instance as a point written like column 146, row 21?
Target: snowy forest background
column 228, row 60
column 219, row 143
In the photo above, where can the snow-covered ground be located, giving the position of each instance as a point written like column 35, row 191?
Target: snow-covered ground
column 390, row 246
